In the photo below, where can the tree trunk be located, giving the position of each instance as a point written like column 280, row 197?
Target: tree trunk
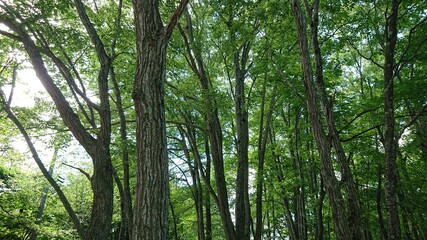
column 341, row 227
column 97, row 148
column 126, row 198
column 196, row 186
column 214, row 131
column 390, row 144
column 300, row 197
column 102, row 206
column 152, row 193
column 242, row 130
column 264, row 132
column 207, row 199
column 383, row 231
column 354, row 209
column 150, row 217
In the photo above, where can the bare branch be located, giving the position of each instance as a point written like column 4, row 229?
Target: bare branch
column 80, row 170
column 412, row 121
column 358, row 116
column 175, row 17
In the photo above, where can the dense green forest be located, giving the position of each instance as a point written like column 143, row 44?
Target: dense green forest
column 217, row 119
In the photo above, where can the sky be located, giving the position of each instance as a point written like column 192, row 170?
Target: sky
column 27, row 88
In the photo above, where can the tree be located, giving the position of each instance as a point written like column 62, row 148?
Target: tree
column 150, row 219
column 341, row 226
column 264, row 121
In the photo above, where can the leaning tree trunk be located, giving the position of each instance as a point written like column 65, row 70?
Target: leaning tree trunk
column 97, row 148
column 354, row 209
column 214, row 132
column 341, row 227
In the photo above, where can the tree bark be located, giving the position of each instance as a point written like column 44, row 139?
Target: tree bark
column 390, row 144
column 354, row 209
column 242, row 129
column 97, row 148
column 150, row 217
column 341, row 227
column 152, row 194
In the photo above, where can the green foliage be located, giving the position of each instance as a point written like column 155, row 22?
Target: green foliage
column 351, row 36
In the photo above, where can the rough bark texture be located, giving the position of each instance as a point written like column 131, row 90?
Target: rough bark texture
column 341, row 227
column 390, row 144
column 150, row 219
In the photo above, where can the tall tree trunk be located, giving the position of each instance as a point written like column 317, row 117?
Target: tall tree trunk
column 383, row 231
column 390, row 144
column 207, row 199
column 214, row 130
column 150, row 217
column 341, row 227
column 126, row 196
column 152, row 193
column 264, row 132
column 300, row 188
column 354, row 209
column 196, row 186
column 243, row 217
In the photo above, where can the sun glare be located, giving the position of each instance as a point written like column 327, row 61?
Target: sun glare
column 26, row 90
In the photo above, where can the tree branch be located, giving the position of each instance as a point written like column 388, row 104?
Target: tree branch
column 99, row 46
column 52, row 182
column 80, row 170
column 175, row 17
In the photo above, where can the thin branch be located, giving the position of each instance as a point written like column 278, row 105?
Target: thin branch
column 178, row 123
column 362, row 132
column 99, row 46
column 358, row 116
column 363, row 56
column 80, row 170
column 9, row 101
column 412, row 121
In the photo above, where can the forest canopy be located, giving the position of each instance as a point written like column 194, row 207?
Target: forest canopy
column 234, row 120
